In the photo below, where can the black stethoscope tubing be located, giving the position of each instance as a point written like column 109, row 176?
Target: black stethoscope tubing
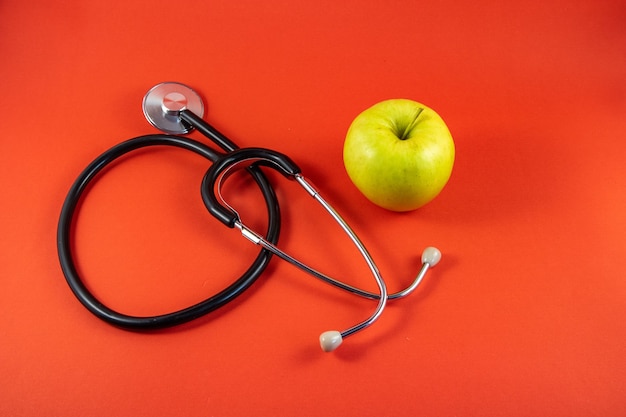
column 68, row 212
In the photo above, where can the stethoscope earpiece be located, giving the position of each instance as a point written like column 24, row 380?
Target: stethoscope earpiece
column 330, row 340
column 431, row 256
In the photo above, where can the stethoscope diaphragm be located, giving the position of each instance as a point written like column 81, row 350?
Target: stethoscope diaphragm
column 163, row 103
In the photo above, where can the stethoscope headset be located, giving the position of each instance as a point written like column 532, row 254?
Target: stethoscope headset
column 176, row 109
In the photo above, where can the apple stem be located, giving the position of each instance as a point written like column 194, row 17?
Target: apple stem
column 411, row 125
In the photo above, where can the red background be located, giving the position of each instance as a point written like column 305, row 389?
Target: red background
column 525, row 314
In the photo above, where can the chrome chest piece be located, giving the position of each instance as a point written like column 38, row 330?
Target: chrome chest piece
column 164, row 102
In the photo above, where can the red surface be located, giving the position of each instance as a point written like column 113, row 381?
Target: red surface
column 525, row 315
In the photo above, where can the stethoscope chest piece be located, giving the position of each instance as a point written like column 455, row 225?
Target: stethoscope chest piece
column 164, row 102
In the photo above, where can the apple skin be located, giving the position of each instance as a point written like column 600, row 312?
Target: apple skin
column 399, row 153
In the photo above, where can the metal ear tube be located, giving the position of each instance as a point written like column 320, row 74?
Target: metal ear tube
column 212, row 195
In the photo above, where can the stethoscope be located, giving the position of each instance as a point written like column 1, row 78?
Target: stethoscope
column 176, row 109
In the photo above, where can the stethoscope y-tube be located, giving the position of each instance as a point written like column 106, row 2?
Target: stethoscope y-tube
column 175, row 109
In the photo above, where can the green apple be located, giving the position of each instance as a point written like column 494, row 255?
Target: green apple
column 399, row 153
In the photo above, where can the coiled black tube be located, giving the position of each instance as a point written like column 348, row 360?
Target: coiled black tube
column 64, row 236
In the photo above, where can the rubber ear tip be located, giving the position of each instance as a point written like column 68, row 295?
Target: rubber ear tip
column 431, row 256
column 330, row 340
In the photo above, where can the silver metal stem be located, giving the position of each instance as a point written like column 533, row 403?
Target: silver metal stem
column 382, row 302
column 258, row 240
column 331, row 339
column 416, row 282
column 381, row 297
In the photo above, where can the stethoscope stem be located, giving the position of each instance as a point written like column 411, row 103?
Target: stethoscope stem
column 430, row 255
column 382, row 299
column 207, row 130
column 329, row 340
